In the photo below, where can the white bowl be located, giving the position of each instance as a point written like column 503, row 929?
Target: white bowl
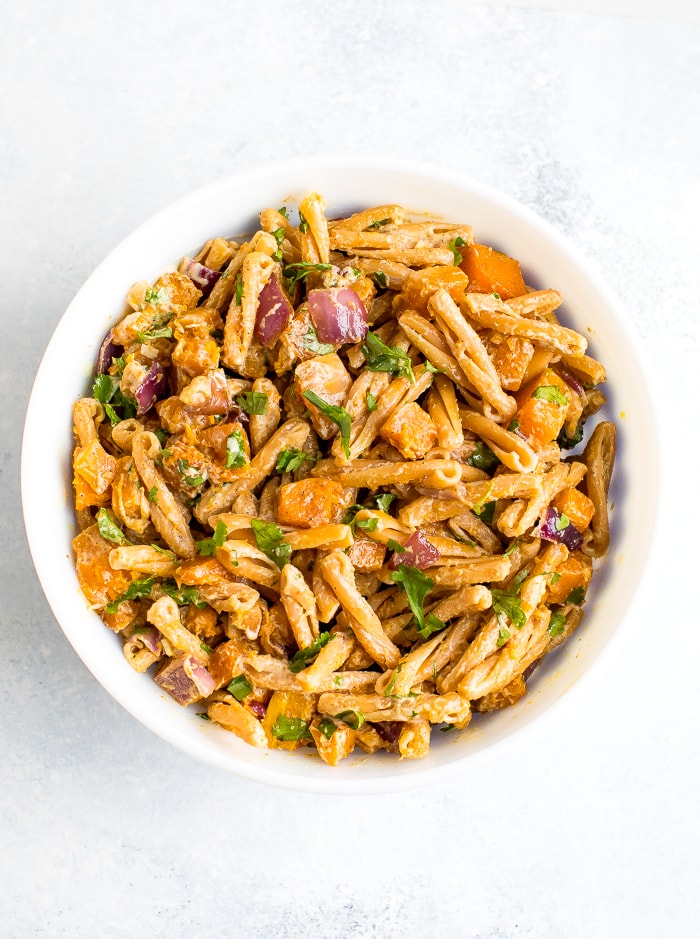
column 231, row 206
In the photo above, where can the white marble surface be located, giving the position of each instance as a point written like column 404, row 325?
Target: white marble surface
column 589, row 828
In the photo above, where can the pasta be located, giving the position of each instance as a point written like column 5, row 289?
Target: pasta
column 332, row 485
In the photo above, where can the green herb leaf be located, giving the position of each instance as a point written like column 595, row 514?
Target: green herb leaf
column 416, row 586
column 367, row 524
column 454, row 247
column 291, row 460
column 429, row 367
column 270, row 539
column 433, row 624
column 300, row 270
column 162, row 436
column 104, row 387
column 190, row 475
column 503, row 635
column 554, row 578
column 203, row 715
column 290, row 729
column 311, row 343
column 507, row 604
column 278, row 234
column 511, row 548
column 235, row 450
column 207, row 546
column 303, row 224
column 568, row 443
column 164, row 551
column 354, row 719
column 551, row 393
column 380, row 279
column 253, row 402
column 485, row 512
column 556, row 624
column 109, row 529
column 153, row 495
column 327, row 727
column 301, row 659
column 561, row 522
column 183, row 596
column 338, row 415
column 240, row 687
column 120, row 365
column 576, row 596
column 383, row 500
column 513, row 426
column 156, row 295
column 483, row 458
column 239, row 290
column 383, row 358
column 447, row 728
column 283, row 211
column 379, row 223
column 371, row 402
column 395, row 546
column 137, row 590
column 164, row 332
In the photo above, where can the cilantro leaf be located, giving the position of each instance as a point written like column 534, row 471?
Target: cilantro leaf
column 433, row 624
column 240, row 687
column 104, row 387
column 383, row 358
column 503, row 636
column 483, row 458
column 291, row 460
column 379, row 223
column 183, row 595
column 283, row 211
column 162, row 332
column 561, row 522
column 290, row 729
column 556, row 624
column 293, row 273
column 371, row 402
column 568, row 443
column 506, row 604
column 551, row 393
column 367, row 524
column 109, row 529
column 429, row 367
column 190, row 475
column 380, row 279
column 383, row 500
column 253, row 402
column 576, row 596
column 485, row 512
column 156, row 295
column 137, row 590
column 327, row 727
column 235, row 450
column 164, row 551
column 270, row 539
column 153, row 495
column 301, row 659
column 416, row 586
column 395, row 546
column 239, row 290
column 454, row 247
column 354, row 719
column 338, row 415
column 303, row 224
column 312, row 343
column 207, row 546
column 278, row 234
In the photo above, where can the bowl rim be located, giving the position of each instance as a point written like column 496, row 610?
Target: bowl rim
column 393, row 780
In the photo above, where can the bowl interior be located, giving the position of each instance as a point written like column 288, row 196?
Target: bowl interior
column 231, row 206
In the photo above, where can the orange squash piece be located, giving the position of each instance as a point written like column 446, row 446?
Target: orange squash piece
column 311, row 502
column 291, row 704
column 542, row 407
column 411, row 430
column 574, row 572
column 489, row 271
column 576, row 505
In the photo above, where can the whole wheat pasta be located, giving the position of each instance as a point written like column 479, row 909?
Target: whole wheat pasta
column 351, row 444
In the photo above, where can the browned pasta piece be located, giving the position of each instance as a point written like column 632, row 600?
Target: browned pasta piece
column 139, row 657
column 449, row 708
column 316, row 677
column 439, row 474
column 244, row 560
column 476, row 571
column 299, row 604
column 414, row 740
column 599, row 456
column 488, row 311
column 313, row 208
column 510, row 448
column 142, row 558
column 263, row 426
column 537, row 303
column 238, row 330
column 338, row 572
column 167, row 514
column 442, row 407
column 165, row 616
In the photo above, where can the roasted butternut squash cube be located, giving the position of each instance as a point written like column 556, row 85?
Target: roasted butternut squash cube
column 366, row 555
column 335, row 748
column 542, row 407
column 95, row 465
column 489, row 271
column 311, row 502
column 97, row 580
column 574, row 572
column 411, row 430
column 421, row 285
column 511, row 356
column 576, row 505
column 287, row 720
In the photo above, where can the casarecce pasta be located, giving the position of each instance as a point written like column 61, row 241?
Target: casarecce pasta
column 331, row 483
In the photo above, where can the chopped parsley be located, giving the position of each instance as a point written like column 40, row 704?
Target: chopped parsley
column 338, row 415
column 293, row 273
column 551, row 393
column 162, row 332
column 137, row 590
column 253, row 402
column 379, row 223
column 235, row 450
column 239, row 290
column 354, row 719
column 367, row 524
column 153, row 495
column 395, row 546
column 483, row 458
column 283, row 211
column 380, row 279
column 301, row 659
column 109, row 529
column 568, row 443
column 383, row 500
column 416, row 586
column 106, row 389
column 484, row 512
column 290, row 729
column 291, row 460
column 156, row 295
column 312, row 343
column 183, row 595
column 371, row 402
column 164, row 551
column 556, row 624
column 561, row 522
column 454, row 247
column 503, row 636
column 190, row 475
column 429, row 367
column 207, row 546
column 511, row 548
column 513, row 426
column 506, row 604
column 576, row 596
column 383, row 358
column 162, row 435
column 278, row 234
column 327, row 727
column 303, row 224
column 270, row 539
column 240, row 687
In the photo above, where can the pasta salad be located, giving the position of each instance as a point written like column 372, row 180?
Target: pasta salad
column 335, row 483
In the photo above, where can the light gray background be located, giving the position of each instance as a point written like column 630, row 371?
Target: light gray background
column 589, row 827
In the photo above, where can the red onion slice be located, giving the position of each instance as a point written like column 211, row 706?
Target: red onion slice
column 556, row 527
column 151, row 639
column 203, row 277
column 274, row 311
column 338, row 315
column 151, row 387
column 259, row 708
column 390, row 731
column 108, row 350
column 200, row 676
column 419, row 553
column 572, row 382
